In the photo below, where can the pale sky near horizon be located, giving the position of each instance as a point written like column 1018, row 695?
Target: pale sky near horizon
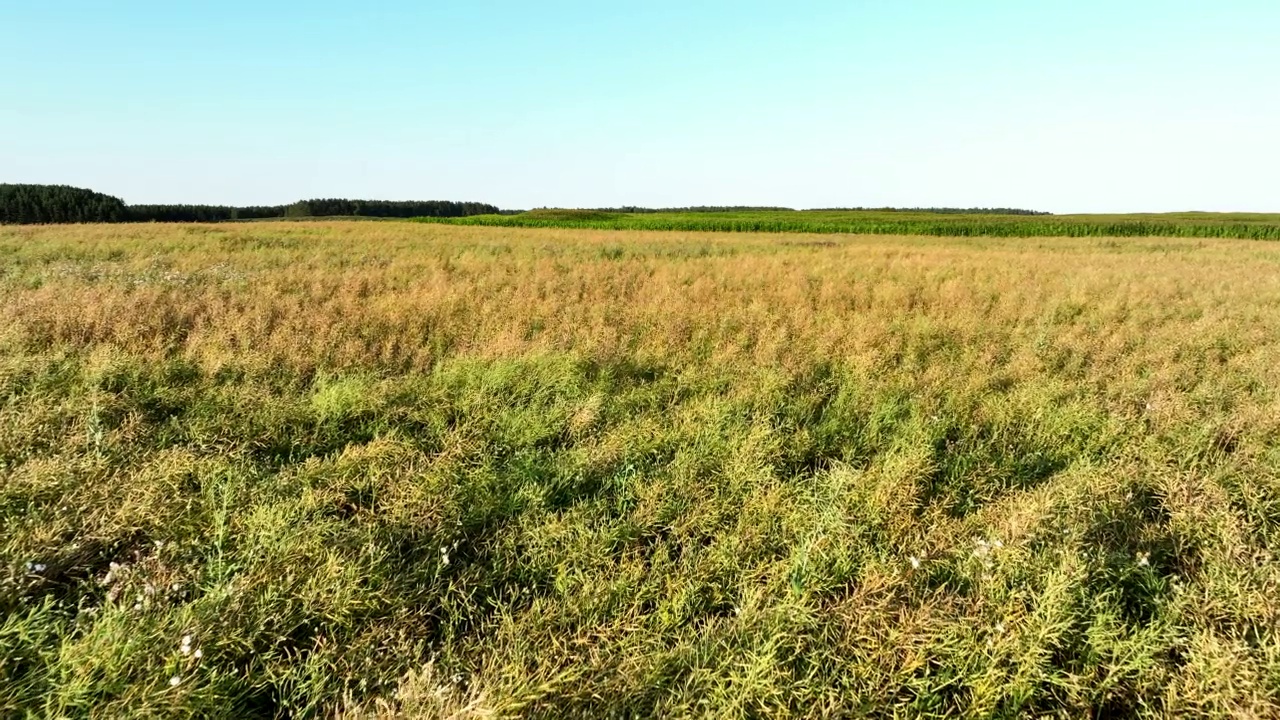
column 1086, row 106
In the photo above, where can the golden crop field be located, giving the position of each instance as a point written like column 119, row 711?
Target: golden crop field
column 341, row 469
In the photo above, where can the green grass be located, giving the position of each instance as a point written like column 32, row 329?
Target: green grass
column 403, row 470
column 1195, row 225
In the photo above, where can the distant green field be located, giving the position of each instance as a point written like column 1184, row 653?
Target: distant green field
column 1204, row 225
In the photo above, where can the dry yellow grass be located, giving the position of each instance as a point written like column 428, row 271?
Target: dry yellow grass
column 555, row 472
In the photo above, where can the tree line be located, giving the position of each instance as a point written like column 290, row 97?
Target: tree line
column 201, row 213
column 46, row 204
column 41, row 204
column 388, row 208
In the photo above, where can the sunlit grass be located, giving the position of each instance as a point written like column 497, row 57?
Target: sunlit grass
column 429, row 471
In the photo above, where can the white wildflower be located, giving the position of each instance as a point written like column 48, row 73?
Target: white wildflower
column 915, row 563
column 199, row 653
column 1144, row 559
column 175, row 681
column 981, row 548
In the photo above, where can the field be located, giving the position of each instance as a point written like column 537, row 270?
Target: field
column 1193, row 224
column 334, row 469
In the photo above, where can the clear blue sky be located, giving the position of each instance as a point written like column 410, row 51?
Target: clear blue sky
column 1088, row 105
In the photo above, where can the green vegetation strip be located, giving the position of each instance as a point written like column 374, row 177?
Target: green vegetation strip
column 1193, row 225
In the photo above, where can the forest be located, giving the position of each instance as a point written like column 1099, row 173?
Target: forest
column 52, row 204
column 45, row 204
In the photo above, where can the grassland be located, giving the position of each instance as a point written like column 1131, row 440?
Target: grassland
column 413, row 470
column 1195, row 225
